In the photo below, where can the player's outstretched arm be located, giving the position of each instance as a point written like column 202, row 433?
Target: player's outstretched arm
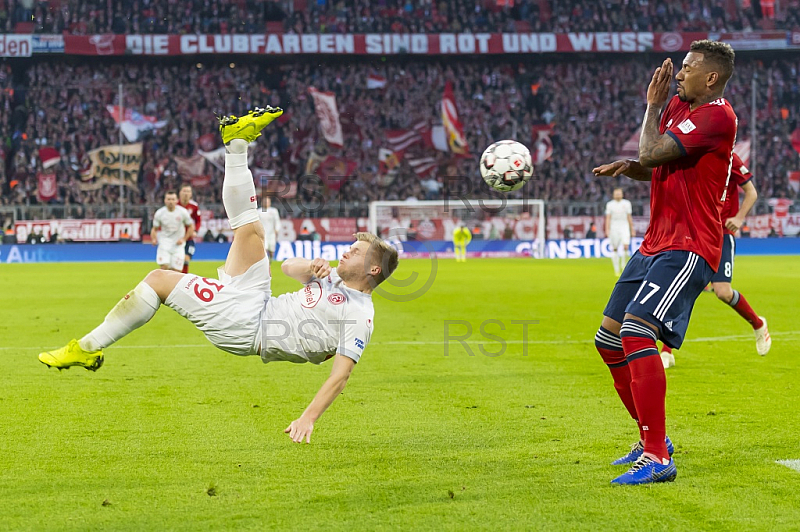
column 656, row 149
column 303, row 269
column 628, row 168
column 300, row 429
column 750, row 197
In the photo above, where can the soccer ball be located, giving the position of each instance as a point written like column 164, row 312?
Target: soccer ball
column 506, row 165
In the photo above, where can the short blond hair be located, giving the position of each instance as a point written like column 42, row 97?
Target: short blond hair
column 380, row 254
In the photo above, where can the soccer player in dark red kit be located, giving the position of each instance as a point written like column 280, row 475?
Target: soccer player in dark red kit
column 733, row 218
column 185, row 200
column 685, row 152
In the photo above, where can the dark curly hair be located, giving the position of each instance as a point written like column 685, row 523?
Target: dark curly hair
column 718, row 55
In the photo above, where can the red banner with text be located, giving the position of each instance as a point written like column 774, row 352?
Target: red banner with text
column 396, row 44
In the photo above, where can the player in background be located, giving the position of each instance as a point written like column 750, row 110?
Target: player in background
column 685, row 152
column 185, row 201
column 330, row 317
column 271, row 220
column 172, row 227
column 461, row 239
column 733, row 218
column 619, row 229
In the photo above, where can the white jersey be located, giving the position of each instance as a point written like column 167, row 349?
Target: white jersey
column 316, row 322
column 172, row 225
column 619, row 211
column 271, row 221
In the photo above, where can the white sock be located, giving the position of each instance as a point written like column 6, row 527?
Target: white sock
column 615, row 259
column 134, row 310
column 238, row 190
column 236, row 146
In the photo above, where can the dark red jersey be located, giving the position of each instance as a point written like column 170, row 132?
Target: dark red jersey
column 739, row 176
column 194, row 212
column 687, row 194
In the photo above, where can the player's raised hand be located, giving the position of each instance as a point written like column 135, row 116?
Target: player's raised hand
column 320, row 268
column 658, row 91
column 300, row 429
column 612, row 169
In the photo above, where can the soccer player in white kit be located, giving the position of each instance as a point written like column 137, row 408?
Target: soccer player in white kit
column 619, row 229
column 172, row 227
column 330, row 317
column 271, row 220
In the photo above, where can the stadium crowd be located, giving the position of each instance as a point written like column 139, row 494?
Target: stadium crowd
column 593, row 107
column 81, row 17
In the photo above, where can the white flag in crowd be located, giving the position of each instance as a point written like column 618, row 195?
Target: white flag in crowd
column 375, row 81
column 134, row 124
column 328, row 115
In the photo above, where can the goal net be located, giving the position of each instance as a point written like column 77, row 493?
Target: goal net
column 488, row 219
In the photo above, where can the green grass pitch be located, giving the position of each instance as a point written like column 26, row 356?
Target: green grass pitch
column 172, row 434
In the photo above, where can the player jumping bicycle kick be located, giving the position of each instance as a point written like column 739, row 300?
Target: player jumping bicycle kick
column 330, row 317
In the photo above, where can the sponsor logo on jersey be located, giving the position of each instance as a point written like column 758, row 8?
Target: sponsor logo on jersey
column 687, row 126
column 336, row 299
column 359, row 343
column 669, row 124
column 311, row 294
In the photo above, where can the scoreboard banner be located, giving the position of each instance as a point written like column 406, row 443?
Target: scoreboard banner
column 387, row 43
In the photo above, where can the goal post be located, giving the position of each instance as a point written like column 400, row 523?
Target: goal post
column 494, row 219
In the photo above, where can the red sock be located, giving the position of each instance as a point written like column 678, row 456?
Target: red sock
column 740, row 305
column 185, row 268
column 648, row 386
column 665, row 348
column 614, row 358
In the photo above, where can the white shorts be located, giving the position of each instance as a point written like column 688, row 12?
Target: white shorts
column 228, row 310
column 171, row 256
column 619, row 237
column 269, row 244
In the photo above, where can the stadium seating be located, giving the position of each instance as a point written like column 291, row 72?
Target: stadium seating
column 593, row 108
column 81, row 17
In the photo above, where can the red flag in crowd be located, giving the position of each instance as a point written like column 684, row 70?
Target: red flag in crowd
column 401, row 139
column 794, row 180
column 422, row 166
column 452, row 125
column 335, row 170
column 48, row 188
column 388, row 160
column 796, row 139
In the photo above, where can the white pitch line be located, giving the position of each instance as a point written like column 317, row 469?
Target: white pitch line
column 791, row 464
column 485, row 341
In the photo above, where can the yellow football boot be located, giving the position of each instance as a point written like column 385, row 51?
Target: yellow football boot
column 249, row 126
column 72, row 355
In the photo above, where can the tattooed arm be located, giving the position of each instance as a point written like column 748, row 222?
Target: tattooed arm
column 656, row 149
